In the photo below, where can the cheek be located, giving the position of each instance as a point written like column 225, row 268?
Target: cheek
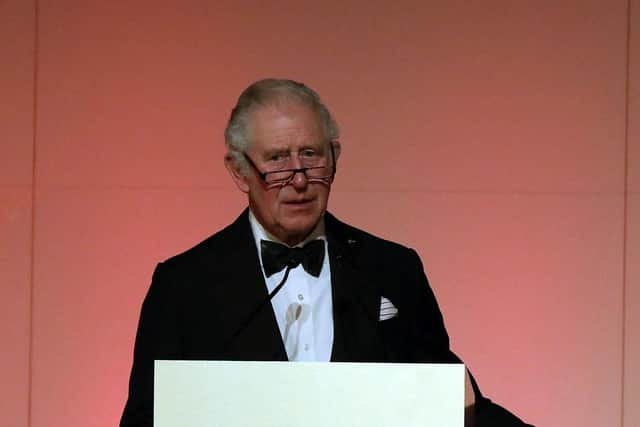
column 272, row 202
column 266, row 202
column 323, row 196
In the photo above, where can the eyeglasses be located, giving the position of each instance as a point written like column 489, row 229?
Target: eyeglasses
column 282, row 177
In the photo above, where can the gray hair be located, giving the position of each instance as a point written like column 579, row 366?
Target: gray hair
column 269, row 92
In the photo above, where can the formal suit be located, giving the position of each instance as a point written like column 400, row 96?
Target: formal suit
column 198, row 301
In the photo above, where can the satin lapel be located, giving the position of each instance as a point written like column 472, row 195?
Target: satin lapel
column 356, row 298
column 253, row 332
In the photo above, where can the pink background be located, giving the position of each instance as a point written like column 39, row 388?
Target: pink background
column 500, row 139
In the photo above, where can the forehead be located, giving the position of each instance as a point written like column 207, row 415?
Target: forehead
column 288, row 125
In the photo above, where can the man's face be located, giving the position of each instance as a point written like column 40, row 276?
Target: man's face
column 283, row 136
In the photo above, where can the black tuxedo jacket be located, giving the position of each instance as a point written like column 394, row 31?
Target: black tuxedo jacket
column 211, row 303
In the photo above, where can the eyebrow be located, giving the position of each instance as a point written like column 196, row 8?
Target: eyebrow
column 310, row 146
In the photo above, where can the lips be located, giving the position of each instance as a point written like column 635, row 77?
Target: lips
column 302, row 202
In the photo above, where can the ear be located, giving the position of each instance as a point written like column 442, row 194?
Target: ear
column 336, row 148
column 237, row 173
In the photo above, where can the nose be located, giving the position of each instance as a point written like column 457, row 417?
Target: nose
column 299, row 180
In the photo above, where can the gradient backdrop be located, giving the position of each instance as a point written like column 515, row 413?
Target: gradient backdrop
column 501, row 139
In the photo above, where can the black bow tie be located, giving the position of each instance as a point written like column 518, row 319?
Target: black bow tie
column 275, row 257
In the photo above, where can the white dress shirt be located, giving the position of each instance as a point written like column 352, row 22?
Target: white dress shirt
column 303, row 306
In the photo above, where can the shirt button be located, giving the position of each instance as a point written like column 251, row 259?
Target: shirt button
column 306, row 347
column 300, row 297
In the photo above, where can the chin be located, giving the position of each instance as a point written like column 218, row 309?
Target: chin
column 300, row 227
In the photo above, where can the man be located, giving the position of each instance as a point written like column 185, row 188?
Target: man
column 287, row 280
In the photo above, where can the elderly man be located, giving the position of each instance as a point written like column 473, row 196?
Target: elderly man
column 287, row 280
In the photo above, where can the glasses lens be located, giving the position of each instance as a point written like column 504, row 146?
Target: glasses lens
column 278, row 177
column 318, row 172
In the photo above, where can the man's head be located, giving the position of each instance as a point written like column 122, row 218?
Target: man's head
column 282, row 125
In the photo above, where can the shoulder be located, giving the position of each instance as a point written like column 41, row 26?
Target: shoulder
column 366, row 244
column 234, row 238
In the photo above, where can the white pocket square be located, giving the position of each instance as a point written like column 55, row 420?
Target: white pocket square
column 387, row 309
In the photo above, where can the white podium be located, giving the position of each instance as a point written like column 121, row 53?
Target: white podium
column 284, row 394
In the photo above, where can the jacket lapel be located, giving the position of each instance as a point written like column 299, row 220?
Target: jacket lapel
column 252, row 329
column 356, row 297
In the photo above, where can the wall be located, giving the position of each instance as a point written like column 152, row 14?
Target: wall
column 17, row 37
column 500, row 139
column 632, row 259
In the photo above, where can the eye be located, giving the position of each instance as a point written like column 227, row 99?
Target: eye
column 277, row 157
column 308, row 153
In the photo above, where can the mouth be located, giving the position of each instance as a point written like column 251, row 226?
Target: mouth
column 298, row 203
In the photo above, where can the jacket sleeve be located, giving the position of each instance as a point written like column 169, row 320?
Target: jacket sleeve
column 157, row 338
column 431, row 344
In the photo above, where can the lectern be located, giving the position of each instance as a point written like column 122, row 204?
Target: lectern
column 286, row 394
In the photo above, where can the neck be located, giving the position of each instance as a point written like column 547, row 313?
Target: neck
column 291, row 241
